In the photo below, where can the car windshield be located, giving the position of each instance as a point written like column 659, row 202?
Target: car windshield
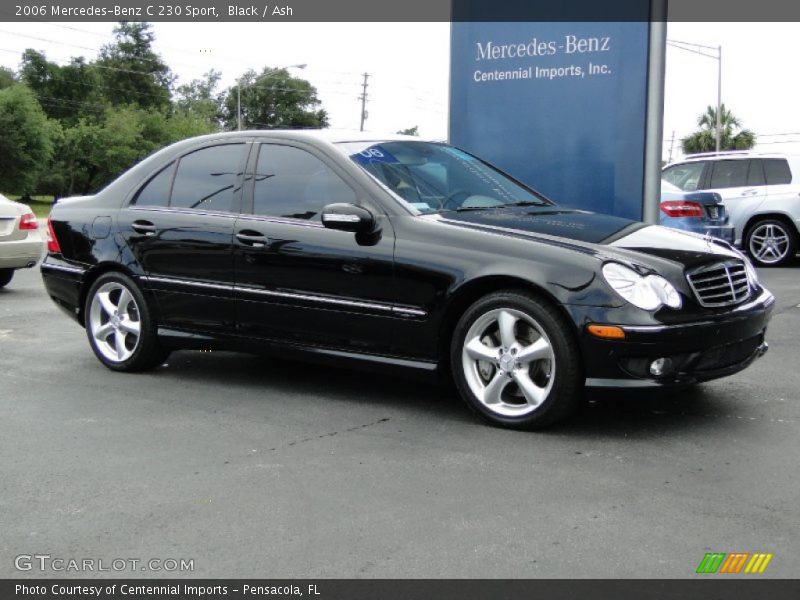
column 435, row 177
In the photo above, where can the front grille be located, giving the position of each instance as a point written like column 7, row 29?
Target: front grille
column 720, row 284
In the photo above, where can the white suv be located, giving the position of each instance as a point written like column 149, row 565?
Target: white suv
column 761, row 193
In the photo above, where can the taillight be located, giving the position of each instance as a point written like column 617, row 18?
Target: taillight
column 681, row 208
column 52, row 241
column 28, row 221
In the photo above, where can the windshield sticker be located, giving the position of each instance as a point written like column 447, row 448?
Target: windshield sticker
column 373, row 154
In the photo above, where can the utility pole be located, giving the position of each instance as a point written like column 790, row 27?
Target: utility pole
column 363, row 98
column 671, row 146
column 719, row 99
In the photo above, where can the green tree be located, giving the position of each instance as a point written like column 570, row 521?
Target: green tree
column 131, row 71
column 733, row 136
column 410, row 131
column 200, row 98
column 7, row 78
column 68, row 92
column 274, row 99
column 25, row 143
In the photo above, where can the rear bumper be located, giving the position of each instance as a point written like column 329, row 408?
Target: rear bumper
column 19, row 254
column 63, row 282
column 699, row 351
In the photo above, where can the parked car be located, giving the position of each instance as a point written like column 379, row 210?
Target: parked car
column 761, row 193
column 400, row 254
column 21, row 243
column 699, row 212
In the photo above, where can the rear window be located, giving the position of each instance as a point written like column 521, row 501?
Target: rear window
column 777, row 171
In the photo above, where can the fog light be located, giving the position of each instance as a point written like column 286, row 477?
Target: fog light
column 660, row 366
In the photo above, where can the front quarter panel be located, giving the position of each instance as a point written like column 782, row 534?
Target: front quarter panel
column 435, row 263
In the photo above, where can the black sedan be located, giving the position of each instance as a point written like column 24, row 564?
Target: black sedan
column 396, row 253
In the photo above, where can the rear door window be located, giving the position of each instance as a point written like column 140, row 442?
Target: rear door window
column 206, row 178
column 729, row 174
column 755, row 174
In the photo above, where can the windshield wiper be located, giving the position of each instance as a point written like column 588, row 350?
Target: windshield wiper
column 468, row 208
column 527, row 203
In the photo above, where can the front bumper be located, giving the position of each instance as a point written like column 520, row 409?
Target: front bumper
column 715, row 347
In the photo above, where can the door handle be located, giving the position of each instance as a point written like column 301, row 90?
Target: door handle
column 749, row 192
column 144, row 227
column 252, row 238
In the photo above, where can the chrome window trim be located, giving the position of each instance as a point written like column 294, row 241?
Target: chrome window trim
column 281, row 220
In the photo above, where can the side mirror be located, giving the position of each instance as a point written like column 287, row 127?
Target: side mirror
column 348, row 217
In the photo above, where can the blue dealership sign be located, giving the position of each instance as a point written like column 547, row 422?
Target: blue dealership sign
column 561, row 106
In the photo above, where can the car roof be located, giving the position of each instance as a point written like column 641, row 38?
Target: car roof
column 333, row 136
column 733, row 155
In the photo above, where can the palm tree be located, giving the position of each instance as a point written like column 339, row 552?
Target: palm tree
column 733, row 137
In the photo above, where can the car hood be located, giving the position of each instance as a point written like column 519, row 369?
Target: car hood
column 598, row 233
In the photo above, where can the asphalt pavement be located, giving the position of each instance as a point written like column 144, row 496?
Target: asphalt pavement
column 252, row 467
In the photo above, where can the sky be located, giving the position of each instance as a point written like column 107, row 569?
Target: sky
column 408, row 66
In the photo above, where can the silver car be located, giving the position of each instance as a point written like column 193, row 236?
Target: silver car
column 761, row 193
column 21, row 241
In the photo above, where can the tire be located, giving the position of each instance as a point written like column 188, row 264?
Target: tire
column 5, row 277
column 771, row 243
column 120, row 326
column 515, row 361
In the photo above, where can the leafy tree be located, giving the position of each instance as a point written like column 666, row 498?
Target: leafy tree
column 91, row 153
column 274, row 99
column 66, row 93
column 410, row 131
column 131, row 71
column 733, row 136
column 199, row 98
column 25, row 143
column 7, row 78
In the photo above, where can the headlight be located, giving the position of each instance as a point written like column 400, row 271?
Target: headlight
column 648, row 292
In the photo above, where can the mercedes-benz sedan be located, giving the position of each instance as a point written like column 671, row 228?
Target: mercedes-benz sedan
column 21, row 242
column 396, row 253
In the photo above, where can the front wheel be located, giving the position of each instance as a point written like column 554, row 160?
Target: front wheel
column 771, row 243
column 120, row 326
column 515, row 361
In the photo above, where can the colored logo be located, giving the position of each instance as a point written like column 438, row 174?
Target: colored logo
column 734, row 562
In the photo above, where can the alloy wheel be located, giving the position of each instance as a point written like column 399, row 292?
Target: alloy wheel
column 114, row 322
column 769, row 243
column 509, row 362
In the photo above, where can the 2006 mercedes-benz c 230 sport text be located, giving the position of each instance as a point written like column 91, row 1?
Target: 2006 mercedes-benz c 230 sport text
column 396, row 253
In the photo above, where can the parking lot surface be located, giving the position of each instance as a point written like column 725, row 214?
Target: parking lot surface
column 253, row 467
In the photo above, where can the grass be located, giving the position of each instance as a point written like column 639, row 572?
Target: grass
column 40, row 205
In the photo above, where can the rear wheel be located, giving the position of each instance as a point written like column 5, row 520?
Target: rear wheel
column 120, row 326
column 515, row 362
column 5, row 276
column 771, row 243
